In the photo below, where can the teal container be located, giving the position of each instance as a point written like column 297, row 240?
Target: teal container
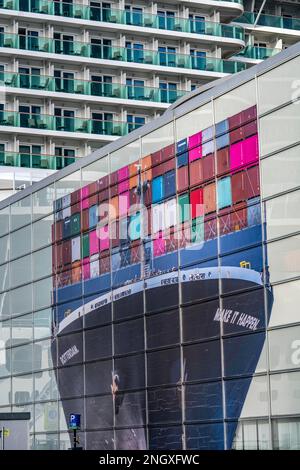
column 75, row 224
column 85, row 245
column 197, row 230
column 224, row 192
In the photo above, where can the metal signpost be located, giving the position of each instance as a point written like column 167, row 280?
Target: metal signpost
column 74, row 424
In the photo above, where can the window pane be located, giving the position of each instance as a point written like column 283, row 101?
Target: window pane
column 280, row 172
column 282, row 215
column 284, row 259
column 20, row 242
column 284, row 348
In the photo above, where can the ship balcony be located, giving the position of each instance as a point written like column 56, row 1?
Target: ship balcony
column 255, row 54
column 270, row 24
column 43, row 85
column 76, row 128
column 33, row 160
column 112, row 56
column 123, row 20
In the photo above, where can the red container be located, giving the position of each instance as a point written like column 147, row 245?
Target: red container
column 252, row 184
column 75, row 209
column 133, row 198
column 208, row 167
column 93, row 200
column 114, row 190
column 225, row 225
column 105, row 264
column 210, row 227
column 223, row 161
column 196, row 172
column 249, row 114
column 169, row 165
column 113, row 178
column 66, row 252
column 182, row 178
column 209, row 198
column 196, row 201
column 236, row 135
column 58, row 256
column 250, row 129
column 59, row 230
column 148, row 196
column 235, row 121
column 172, row 242
column 75, row 196
column 239, row 216
column 85, row 220
column 103, row 195
column 238, row 187
column 156, row 158
column 103, row 183
column 158, row 170
column 93, row 188
column 168, row 152
column 135, row 255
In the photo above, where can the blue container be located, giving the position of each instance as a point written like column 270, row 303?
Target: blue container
column 157, row 189
column 169, row 183
column 181, row 146
column 222, row 127
column 125, row 257
column 254, row 212
column 93, row 216
column 67, row 227
column 182, row 159
column 222, row 141
column 224, row 192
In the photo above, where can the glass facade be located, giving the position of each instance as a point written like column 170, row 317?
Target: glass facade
column 154, row 289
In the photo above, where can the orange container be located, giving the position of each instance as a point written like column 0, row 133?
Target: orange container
column 196, row 172
column 146, row 163
column 76, row 272
column 209, row 198
column 113, row 208
column 133, row 181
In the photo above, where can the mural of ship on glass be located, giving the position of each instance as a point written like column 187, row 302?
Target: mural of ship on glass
column 174, row 301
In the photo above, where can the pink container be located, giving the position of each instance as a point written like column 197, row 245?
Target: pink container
column 195, row 140
column 86, row 272
column 123, row 186
column 84, row 200
column 195, row 153
column 123, row 173
column 84, row 192
column 250, row 149
column 94, row 242
column 123, row 203
column 104, row 238
column 159, row 246
column 236, row 155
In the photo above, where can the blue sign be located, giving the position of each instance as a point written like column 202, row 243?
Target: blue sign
column 74, row 421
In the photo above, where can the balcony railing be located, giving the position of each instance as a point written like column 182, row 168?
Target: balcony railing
column 270, row 21
column 34, row 160
column 89, row 87
column 124, row 54
column 136, row 18
column 66, row 124
column 258, row 53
